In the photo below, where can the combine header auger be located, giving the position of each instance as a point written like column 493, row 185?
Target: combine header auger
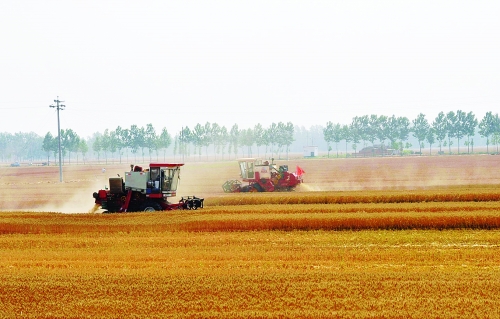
column 145, row 190
column 263, row 177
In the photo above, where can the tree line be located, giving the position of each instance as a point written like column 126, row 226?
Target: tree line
column 393, row 132
column 140, row 141
column 275, row 140
column 20, row 146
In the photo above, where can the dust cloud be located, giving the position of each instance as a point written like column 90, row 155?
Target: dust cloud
column 401, row 173
column 74, row 195
column 77, row 200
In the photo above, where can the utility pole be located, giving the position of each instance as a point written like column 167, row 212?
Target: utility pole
column 59, row 106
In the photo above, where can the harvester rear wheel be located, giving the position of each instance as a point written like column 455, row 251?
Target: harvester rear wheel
column 150, row 207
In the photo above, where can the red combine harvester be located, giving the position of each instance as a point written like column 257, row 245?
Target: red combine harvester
column 263, row 177
column 145, row 190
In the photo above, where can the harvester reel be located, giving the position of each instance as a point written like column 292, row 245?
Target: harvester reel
column 231, row 186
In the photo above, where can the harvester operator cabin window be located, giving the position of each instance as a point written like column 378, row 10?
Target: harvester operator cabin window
column 155, row 174
column 250, row 170
column 170, row 179
column 247, row 169
column 243, row 169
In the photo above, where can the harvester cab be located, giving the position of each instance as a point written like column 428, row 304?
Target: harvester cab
column 145, row 190
column 160, row 180
column 251, row 168
column 262, row 176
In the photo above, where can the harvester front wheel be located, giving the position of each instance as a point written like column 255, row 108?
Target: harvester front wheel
column 150, row 207
column 257, row 188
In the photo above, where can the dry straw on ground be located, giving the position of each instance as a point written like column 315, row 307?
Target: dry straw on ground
column 264, row 274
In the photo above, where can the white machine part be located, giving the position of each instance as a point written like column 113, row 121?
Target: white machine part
column 136, row 181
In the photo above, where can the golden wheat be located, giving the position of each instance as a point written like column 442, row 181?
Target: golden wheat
column 364, row 274
column 418, row 252
column 448, row 215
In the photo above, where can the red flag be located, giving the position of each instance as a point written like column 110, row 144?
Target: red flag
column 300, row 171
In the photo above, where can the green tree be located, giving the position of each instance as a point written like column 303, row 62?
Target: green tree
column 451, row 121
column 337, row 136
column 163, row 142
column 420, row 129
column 496, row 139
column 49, row 145
column 215, row 131
column 106, row 144
column 470, row 129
column 440, row 129
column 372, row 128
column 246, row 138
column 346, row 135
column 488, row 126
column 460, row 127
column 137, row 140
column 284, row 136
column 381, row 130
column 328, row 135
column 125, row 139
column 207, row 137
column 114, row 144
column 69, row 142
column 355, row 133
column 272, row 133
column 120, row 141
column 403, row 129
column 266, row 140
column 185, row 138
column 234, row 138
column 362, row 125
column 198, row 137
column 430, row 137
column 150, row 139
column 392, row 132
column 221, row 141
column 97, row 145
column 259, row 136
column 83, row 148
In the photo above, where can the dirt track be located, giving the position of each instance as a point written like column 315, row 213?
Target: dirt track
column 38, row 188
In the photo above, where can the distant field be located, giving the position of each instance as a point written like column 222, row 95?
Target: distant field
column 41, row 184
column 368, row 238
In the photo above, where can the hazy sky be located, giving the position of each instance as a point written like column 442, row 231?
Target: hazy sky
column 179, row 63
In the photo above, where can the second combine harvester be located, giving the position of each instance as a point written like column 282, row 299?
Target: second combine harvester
column 262, row 176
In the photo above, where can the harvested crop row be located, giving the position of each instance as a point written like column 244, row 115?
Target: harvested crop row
column 361, row 221
column 249, row 219
column 417, row 196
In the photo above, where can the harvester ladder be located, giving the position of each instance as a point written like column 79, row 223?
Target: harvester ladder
column 127, row 202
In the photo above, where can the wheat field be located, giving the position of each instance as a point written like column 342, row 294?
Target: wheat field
column 360, row 239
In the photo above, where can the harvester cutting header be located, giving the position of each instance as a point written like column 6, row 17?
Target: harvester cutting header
column 145, row 190
column 263, row 177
